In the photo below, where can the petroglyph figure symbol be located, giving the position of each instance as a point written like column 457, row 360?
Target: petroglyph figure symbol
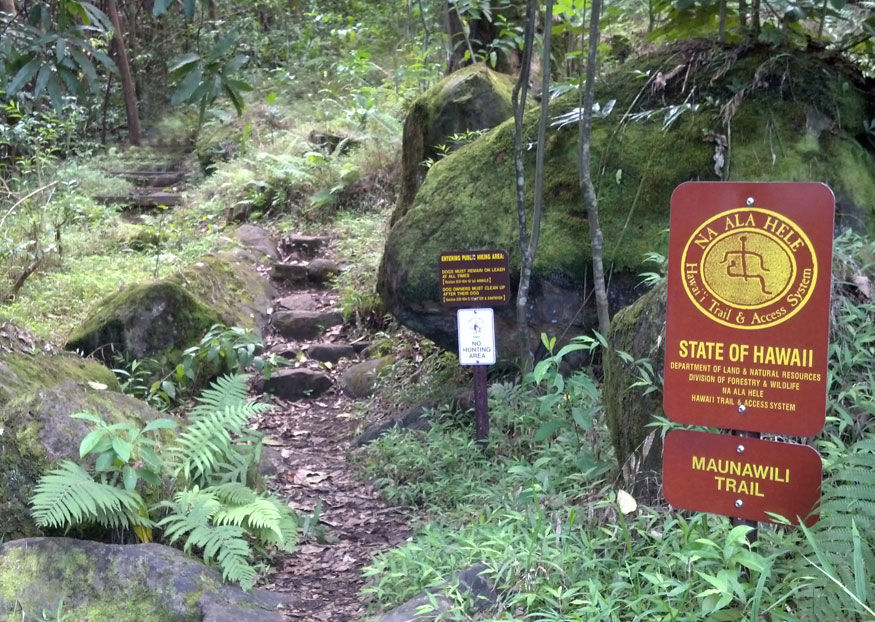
column 740, row 262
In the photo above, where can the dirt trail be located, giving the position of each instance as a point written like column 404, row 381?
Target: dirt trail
column 309, row 438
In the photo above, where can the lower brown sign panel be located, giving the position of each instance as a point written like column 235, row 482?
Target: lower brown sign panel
column 741, row 477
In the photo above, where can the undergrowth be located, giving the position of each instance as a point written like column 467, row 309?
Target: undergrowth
column 541, row 508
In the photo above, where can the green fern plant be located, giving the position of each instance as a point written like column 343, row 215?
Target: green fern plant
column 191, row 516
column 216, row 442
column 68, row 496
column 842, row 541
column 209, row 462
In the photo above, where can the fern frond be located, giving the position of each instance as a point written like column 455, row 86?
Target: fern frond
column 847, row 515
column 189, row 510
column 226, row 545
column 287, row 528
column 207, row 445
column 67, row 496
column 234, row 493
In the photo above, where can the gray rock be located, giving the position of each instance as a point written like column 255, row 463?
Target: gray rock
column 474, row 98
column 124, row 583
column 299, row 302
column 320, row 271
column 361, row 379
column 293, row 384
column 331, row 352
column 303, row 325
column 414, row 418
column 291, row 273
column 304, row 245
column 257, row 240
column 473, row 583
column 639, row 329
column 155, row 318
column 38, row 393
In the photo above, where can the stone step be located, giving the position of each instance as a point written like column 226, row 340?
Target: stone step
column 292, row 384
column 317, row 272
column 144, row 197
column 303, row 246
column 153, row 179
column 305, row 325
column 330, row 352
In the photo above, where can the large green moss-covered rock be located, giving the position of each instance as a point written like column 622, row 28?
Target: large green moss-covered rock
column 98, row 582
column 471, row 99
column 766, row 114
column 161, row 318
column 638, row 330
column 38, row 393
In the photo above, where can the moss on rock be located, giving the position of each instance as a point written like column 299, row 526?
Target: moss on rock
column 37, row 395
column 161, row 318
column 782, row 117
column 97, row 582
column 638, row 330
column 471, row 99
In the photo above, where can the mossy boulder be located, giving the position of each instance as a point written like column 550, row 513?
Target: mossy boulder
column 38, row 393
column 763, row 113
column 160, row 318
column 638, row 330
column 120, row 583
column 471, row 99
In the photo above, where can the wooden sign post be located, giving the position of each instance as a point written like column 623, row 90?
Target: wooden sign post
column 747, row 327
column 475, row 278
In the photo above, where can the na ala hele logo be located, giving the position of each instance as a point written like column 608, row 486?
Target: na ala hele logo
column 749, row 268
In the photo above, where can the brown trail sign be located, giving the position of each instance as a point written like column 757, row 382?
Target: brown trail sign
column 741, row 477
column 748, row 302
column 746, row 344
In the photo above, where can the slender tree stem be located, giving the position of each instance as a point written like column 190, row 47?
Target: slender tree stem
column 586, row 185
column 528, row 257
column 518, row 97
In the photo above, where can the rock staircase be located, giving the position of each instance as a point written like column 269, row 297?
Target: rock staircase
column 158, row 178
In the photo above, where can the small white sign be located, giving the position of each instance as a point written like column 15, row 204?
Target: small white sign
column 476, row 336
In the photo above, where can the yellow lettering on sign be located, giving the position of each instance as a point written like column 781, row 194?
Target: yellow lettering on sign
column 700, row 349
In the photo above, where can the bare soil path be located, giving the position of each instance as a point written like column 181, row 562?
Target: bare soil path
column 309, row 438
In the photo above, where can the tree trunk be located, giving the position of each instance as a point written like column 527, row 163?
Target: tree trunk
column 135, row 134
column 8, row 7
column 721, row 26
column 518, row 97
column 528, row 258
column 212, row 11
column 586, row 185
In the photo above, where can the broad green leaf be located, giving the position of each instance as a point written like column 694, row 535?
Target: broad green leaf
column 42, row 79
column 90, row 441
column 169, row 388
column 160, row 424
column 235, row 63
column 548, row 429
column 183, row 61
column 188, row 87
column 104, row 462
column 87, row 416
column 23, row 76
column 129, row 477
column 122, row 448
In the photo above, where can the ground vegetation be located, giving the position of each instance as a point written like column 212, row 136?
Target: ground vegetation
column 289, row 115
